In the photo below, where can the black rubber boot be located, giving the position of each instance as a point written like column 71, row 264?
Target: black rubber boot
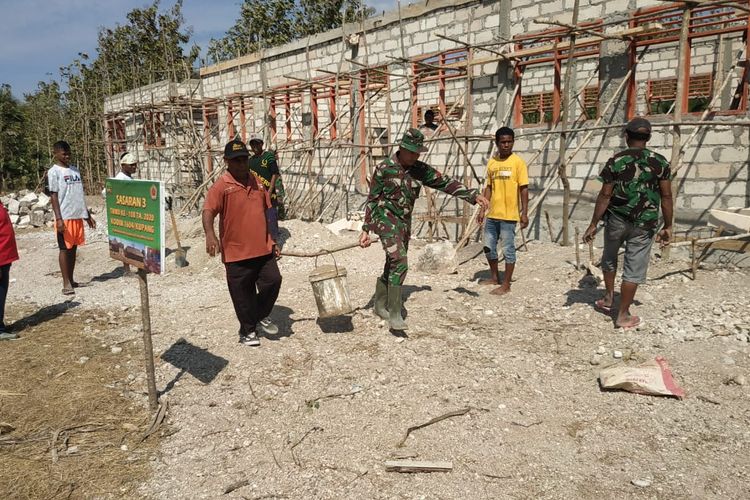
column 381, row 299
column 394, row 308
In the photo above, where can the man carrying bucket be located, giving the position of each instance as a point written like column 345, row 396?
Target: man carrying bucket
column 247, row 249
column 394, row 188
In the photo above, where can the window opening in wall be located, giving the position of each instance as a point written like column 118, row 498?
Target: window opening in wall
column 548, row 51
column 438, row 68
column 152, row 129
column 591, row 103
column 211, row 114
column 286, row 110
column 454, row 112
column 537, row 108
column 116, row 129
column 708, row 25
column 661, row 94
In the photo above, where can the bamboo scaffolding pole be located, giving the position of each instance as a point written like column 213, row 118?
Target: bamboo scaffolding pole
column 563, row 165
column 683, row 80
column 706, row 112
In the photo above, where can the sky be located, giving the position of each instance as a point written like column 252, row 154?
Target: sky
column 37, row 37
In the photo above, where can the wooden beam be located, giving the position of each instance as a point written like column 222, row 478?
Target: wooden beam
column 710, row 240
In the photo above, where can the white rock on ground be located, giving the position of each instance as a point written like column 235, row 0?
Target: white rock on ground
column 438, row 258
column 13, row 206
column 29, row 198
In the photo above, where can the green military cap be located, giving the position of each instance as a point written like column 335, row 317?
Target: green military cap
column 413, row 140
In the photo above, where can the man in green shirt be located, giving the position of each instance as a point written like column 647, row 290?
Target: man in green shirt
column 265, row 167
column 635, row 182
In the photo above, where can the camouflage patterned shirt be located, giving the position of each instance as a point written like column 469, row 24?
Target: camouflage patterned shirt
column 394, row 190
column 635, row 174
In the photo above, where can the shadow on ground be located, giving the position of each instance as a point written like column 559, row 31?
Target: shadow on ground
column 117, row 272
column 194, row 360
column 47, row 313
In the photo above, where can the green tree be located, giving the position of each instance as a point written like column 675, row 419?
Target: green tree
column 319, row 16
column 269, row 23
column 12, row 140
column 146, row 49
column 44, row 113
column 262, row 23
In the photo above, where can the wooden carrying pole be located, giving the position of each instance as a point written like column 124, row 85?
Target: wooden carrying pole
column 153, row 402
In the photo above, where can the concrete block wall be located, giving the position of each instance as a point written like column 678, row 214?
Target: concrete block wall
column 169, row 162
column 716, row 165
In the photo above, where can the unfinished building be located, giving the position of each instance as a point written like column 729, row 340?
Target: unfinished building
column 565, row 75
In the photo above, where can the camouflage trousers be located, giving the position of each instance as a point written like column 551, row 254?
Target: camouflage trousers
column 395, row 241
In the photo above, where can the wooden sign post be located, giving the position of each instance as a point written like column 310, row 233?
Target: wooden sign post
column 135, row 227
column 147, row 346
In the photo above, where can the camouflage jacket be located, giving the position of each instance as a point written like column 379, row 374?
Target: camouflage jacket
column 394, row 190
column 636, row 196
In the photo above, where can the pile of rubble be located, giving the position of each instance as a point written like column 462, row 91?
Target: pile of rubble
column 29, row 209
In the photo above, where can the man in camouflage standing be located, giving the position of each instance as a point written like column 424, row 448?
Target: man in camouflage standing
column 635, row 182
column 394, row 189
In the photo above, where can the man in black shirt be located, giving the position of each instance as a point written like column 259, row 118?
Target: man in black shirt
column 263, row 164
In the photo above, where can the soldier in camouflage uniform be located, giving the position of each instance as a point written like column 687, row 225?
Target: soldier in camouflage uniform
column 394, row 188
column 635, row 182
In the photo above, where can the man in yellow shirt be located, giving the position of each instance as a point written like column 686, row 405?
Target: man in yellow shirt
column 507, row 180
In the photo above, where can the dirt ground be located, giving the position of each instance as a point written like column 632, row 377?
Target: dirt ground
column 316, row 411
column 74, row 424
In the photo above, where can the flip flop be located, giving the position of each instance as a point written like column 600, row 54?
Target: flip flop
column 599, row 305
column 68, row 291
column 632, row 322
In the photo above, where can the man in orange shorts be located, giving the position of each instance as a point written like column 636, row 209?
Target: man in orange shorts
column 69, row 205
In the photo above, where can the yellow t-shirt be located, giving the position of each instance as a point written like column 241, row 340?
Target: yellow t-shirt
column 505, row 177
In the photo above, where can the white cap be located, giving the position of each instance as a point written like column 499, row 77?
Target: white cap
column 128, row 159
column 254, row 137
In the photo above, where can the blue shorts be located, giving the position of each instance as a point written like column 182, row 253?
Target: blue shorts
column 494, row 230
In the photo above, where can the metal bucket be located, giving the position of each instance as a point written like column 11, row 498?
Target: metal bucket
column 330, row 290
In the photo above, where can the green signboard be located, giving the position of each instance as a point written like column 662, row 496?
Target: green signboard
column 135, row 223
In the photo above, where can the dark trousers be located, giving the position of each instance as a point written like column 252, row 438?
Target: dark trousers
column 4, row 280
column 254, row 286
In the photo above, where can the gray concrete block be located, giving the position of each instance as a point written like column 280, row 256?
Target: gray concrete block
column 703, row 202
column 700, row 187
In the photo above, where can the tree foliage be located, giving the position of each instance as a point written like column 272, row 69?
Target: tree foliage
column 268, row 23
column 148, row 47
column 12, row 137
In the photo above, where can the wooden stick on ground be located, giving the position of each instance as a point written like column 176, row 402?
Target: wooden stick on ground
column 417, row 466
column 693, row 257
column 523, row 240
column 450, row 414
column 294, row 456
column 578, row 248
